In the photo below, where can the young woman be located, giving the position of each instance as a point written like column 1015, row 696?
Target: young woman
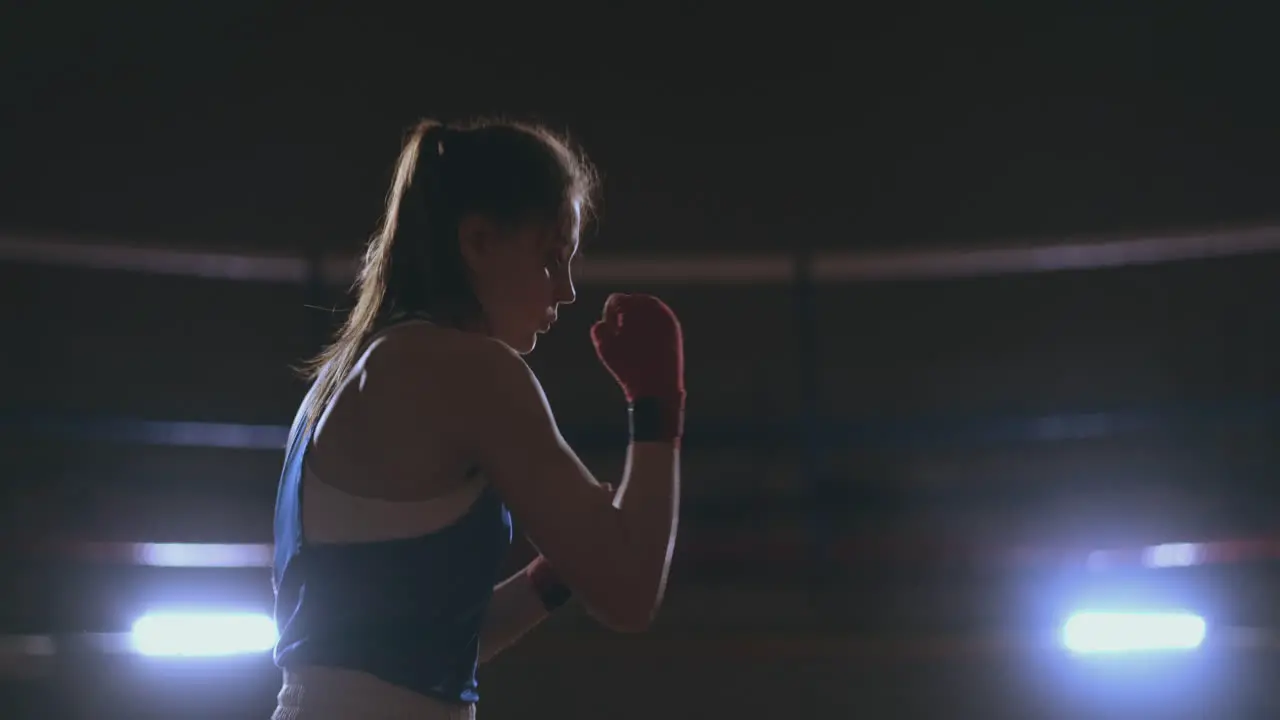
column 424, row 433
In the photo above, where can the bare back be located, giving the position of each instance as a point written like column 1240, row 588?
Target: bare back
column 427, row 408
column 374, row 442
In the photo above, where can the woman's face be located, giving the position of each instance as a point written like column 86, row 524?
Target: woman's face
column 521, row 276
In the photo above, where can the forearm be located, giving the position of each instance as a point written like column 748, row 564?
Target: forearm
column 514, row 610
column 653, row 501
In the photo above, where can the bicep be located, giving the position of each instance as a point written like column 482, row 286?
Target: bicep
column 515, row 441
column 513, row 438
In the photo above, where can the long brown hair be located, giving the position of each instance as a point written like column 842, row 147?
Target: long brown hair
column 508, row 172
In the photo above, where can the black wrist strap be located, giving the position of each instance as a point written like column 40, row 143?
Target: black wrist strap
column 550, row 589
column 654, row 420
column 554, row 595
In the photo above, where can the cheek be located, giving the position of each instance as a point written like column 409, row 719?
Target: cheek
column 545, row 286
column 522, row 284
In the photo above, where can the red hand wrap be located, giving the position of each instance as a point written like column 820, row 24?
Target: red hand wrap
column 640, row 341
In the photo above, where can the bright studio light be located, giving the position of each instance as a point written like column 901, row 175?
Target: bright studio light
column 203, row 634
column 1117, row 632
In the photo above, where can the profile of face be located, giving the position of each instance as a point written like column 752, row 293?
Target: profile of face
column 521, row 276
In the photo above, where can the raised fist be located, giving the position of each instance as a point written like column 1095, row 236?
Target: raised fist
column 640, row 341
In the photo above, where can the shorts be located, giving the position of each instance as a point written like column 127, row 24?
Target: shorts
column 334, row 694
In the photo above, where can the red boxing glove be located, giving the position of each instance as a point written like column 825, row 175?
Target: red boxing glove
column 640, row 342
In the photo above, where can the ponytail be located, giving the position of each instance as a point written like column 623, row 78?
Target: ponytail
column 329, row 369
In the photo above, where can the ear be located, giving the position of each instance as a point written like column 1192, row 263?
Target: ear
column 476, row 236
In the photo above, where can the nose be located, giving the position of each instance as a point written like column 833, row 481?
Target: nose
column 565, row 293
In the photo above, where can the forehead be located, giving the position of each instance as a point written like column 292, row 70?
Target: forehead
column 571, row 216
column 568, row 225
column 559, row 232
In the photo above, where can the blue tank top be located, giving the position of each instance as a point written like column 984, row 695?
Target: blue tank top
column 407, row 611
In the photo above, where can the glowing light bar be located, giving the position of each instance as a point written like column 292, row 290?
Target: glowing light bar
column 1151, row 557
column 30, row 657
column 1080, row 253
column 1117, row 632
column 203, row 555
column 1172, row 555
column 203, row 634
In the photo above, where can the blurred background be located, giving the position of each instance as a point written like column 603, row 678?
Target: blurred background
column 980, row 308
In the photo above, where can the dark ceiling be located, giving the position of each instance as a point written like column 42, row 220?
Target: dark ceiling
column 253, row 125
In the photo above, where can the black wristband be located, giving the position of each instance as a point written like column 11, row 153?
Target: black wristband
column 550, row 589
column 655, row 420
column 554, row 596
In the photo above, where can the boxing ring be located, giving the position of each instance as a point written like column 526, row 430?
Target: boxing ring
column 42, row 655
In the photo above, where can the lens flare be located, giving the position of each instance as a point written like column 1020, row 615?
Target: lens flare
column 203, row 634
column 1116, row 632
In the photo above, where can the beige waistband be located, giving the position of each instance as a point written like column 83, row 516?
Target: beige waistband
column 336, row 694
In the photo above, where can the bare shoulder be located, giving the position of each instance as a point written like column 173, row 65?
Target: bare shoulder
column 422, row 391
column 435, row 377
column 421, row 354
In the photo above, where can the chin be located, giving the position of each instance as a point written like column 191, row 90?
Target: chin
column 526, row 347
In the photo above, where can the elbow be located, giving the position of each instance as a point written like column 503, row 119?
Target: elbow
column 630, row 621
column 635, row 613
column 632, row 628
column 631, row 602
